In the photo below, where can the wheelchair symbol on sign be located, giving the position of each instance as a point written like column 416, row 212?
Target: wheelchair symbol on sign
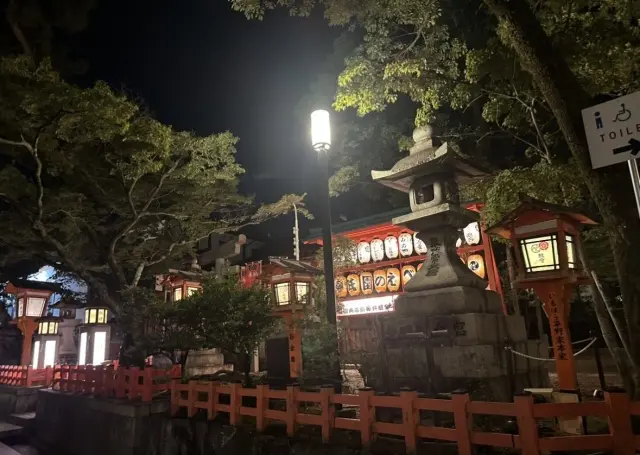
column 623, row 115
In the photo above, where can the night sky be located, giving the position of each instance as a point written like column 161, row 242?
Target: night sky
column 201, row 67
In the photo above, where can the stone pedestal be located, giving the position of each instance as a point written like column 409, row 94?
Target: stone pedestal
column 205, row 362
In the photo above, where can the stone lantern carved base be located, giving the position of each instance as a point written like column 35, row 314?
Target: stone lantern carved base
column 438, row 228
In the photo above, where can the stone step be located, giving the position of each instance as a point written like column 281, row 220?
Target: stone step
column 25, row 419
column 8, row 429
column 6, row 450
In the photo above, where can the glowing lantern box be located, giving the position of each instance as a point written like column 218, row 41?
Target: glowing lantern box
column 292, row 283
column 46, row 344
column 546, row 238
column 31, row 304
column 95, row 335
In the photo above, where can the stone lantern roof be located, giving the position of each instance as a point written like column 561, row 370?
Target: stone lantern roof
column 425, row 158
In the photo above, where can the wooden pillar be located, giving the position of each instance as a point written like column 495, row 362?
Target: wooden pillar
column 28, row 328
column 556, row 300
column 295, row 346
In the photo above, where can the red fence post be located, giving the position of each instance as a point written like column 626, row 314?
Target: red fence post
column 459, row 401
column 121, row 382
column 262, row 404
column 410, row 419
column 29, row 376
column 367, row 416
column 292, row 408
column 134, row 377
column 98, row 376
column 211, row 401
column 328, row 411
column 175, row 397
column 235, row 403
column 147, row 385
column 527, row 426
column 620, row 421
column 191, row 407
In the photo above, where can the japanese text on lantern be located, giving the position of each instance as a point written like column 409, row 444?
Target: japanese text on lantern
column 557, row 329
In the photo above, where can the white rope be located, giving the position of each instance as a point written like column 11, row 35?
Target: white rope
column 593, row 340
column 577, row 342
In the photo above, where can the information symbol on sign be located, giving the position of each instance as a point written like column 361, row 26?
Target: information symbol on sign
column 598, row 120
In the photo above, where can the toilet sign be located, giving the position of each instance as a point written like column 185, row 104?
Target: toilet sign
column 613, row 130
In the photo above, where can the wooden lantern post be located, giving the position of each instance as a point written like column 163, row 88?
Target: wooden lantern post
column 32, row 298
column 546, row 238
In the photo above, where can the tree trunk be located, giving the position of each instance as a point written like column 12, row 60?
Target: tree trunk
column 566, row 98
column 183, row 358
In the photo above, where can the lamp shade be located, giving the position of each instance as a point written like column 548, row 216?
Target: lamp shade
column 320, row 130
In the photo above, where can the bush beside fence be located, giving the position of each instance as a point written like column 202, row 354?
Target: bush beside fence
column 616, row 407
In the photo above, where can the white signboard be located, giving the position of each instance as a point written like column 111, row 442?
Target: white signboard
column 613, row 130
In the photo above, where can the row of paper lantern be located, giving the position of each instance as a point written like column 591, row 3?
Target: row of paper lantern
column 384, row 280
column 391, row 247
column 391, row 279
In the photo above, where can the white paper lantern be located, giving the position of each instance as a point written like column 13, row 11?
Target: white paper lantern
column 391, row 246
column 472, row 233
column 364, row 252
column 377, row 250
column 419, row 245
column 406, row 244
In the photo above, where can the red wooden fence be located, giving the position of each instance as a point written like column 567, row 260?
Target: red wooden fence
column 616, row 407
column 120, row 382
column 132, row 383
column 25, row 376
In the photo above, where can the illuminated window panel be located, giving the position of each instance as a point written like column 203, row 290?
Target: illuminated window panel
column 283, row 293
column 99, row 347
column 191, row 291
column 571, row 251
column 35, row 306
column 540, row 254
column 36, row 353
column 302, row 292
column 49, row 353
column 177, row 294
column 82, row 358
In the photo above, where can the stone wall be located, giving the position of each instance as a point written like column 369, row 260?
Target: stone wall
column 17, row 400
column 80, row 425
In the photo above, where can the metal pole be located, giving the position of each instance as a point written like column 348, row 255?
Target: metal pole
column 326, row 236
column 635, row 181
column 323, row 161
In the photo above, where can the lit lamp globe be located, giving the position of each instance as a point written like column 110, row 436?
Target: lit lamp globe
column 321, row 131
column 46, row 343
column 95, row 334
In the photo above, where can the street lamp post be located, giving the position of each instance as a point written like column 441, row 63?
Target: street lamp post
column 321, row 141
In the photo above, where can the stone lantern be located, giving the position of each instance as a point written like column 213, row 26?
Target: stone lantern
column 95, row 334
column 46, row 344
column 546, row 239
column 447, row 331
column 31, row 304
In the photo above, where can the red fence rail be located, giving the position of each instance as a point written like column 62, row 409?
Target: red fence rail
column 18, row 375
column 120, row 382
column 616, row 407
